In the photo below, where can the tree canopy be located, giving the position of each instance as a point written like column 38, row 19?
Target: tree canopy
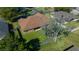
column 65, row 9
column 9, row 13
column 54, row 29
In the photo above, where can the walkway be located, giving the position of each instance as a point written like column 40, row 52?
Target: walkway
column 75, row 29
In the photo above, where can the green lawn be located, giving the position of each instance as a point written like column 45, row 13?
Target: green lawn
column 73, row 24
column 74, row 37
column 64, row 42
column 60, row 45
column 34, row 34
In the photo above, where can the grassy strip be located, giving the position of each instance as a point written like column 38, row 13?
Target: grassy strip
column 73, row 24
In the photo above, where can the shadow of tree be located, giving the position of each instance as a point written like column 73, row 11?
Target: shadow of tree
column 33, row 45
column 19, row 44
column 19, row 32
column 10, row 28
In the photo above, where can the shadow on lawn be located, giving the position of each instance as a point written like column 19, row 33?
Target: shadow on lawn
column 18, row 43
column 33, row 45
column 10, row 28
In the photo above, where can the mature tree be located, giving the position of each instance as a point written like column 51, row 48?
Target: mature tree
column 66, row 9
column 54, row 30
column 10, row 13
column 43, row 10
column 33, row 45
column 10, row 44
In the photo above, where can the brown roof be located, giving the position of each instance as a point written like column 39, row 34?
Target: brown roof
column 32, row 22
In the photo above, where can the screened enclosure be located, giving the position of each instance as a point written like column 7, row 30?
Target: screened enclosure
column 3, row 29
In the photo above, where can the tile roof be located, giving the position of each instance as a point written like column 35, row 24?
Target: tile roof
column 32, row 22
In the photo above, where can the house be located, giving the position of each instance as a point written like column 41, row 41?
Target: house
column 33, row 22
column 75, row 11
column 62, row 16
column 3, row 29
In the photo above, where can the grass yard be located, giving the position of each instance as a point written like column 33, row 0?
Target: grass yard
column 64, row 42
column 74, row 37
column 73, row 24
column 60, row 45
column 34, row 34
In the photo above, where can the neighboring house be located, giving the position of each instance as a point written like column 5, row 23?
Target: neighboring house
column 63, row 16
column 3, row 29
column 33, row 22
column 75, row 11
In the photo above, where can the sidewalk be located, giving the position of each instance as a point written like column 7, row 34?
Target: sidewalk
column 75, row 29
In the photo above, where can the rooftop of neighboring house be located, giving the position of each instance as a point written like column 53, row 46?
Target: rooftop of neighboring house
column 3, row 29
column 33, row 21
column 64, row 16
column 75, row 11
